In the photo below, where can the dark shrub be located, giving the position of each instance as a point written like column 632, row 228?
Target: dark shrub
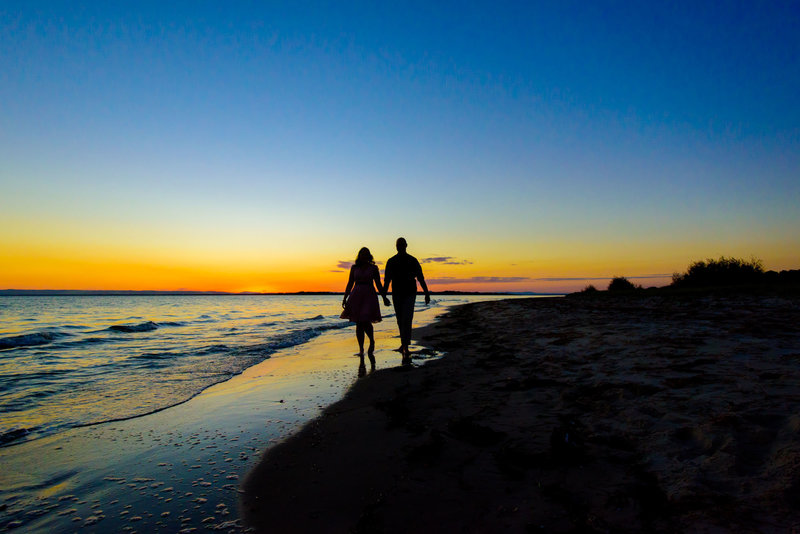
column 589, row 289
column 721, row 272
column 783, row 278
column 620, row 283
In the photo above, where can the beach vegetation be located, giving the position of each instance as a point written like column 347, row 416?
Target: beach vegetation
column 720, row 272
column 783, row 278
column 620, row 283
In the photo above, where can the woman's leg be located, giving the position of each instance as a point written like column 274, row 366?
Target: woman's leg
column 370, row 334
column 360, row 337
column 371, row 351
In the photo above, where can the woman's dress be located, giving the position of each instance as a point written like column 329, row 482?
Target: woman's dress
column 362, row 305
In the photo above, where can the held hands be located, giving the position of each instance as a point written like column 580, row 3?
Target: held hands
column 344, row 302
column 385, row 301
column 427, row 299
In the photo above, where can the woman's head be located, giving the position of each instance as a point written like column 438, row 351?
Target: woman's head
column 364, row 257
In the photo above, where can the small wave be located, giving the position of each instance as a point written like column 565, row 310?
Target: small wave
column 14, row 434
column 141, row 327
column 90, row 341
column 171, row 323
column 155, row 356
column 153, row 360
column 42, row 393
column 26, row 375
column 52, row 482
column 30, row 340
column 150, row 364
column 333, row 326
column 315, row 318
column 290, row 339
column 214, row 349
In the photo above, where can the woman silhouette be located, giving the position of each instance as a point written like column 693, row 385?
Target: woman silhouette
column 362, row 305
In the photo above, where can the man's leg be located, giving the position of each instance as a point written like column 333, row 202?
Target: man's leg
column 407, row 319
column 397, row 302
column 404, row 313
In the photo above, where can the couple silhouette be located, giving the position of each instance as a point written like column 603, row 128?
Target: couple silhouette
column 360, row 300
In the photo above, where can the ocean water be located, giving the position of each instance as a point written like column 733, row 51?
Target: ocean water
column 68, row 361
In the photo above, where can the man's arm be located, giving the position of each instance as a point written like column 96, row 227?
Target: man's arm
column 422, row 283
column 387, row 279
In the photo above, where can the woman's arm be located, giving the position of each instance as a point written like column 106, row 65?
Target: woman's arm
column 376, row 275
column 350, row 281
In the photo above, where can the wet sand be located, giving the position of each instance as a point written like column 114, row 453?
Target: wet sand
column 657, row 413
column 179, row 470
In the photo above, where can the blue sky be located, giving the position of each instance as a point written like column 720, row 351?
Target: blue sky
column 500, row 132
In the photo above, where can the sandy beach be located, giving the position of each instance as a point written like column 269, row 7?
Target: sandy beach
column 651, row 413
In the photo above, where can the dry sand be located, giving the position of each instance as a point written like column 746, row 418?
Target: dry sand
column 657, row 413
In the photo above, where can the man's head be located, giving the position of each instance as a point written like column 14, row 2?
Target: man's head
column 401, row 244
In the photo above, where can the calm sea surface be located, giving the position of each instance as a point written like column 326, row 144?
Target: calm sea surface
column 68, row 361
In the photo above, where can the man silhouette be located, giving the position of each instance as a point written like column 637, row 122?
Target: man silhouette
column 402, row 271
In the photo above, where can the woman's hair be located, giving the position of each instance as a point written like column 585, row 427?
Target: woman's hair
column 364, row 257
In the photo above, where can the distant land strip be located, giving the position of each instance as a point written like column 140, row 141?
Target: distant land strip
column 125, row 293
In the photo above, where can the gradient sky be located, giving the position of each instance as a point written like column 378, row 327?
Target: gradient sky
column 517, row 146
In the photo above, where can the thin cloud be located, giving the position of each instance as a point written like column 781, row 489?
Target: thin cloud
column 343, row 266
column 578, row 278
column 446, row 260
column 478, row 280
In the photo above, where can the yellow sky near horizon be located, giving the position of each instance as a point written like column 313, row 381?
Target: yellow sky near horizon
column 93, row 259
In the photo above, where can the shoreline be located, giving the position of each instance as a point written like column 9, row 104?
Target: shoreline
column 663, row 414
column 179, row 467
column 148, row 293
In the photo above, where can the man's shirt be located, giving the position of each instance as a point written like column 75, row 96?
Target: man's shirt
column 402, row 271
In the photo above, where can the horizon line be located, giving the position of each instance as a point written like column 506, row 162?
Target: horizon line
column 151, row 292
